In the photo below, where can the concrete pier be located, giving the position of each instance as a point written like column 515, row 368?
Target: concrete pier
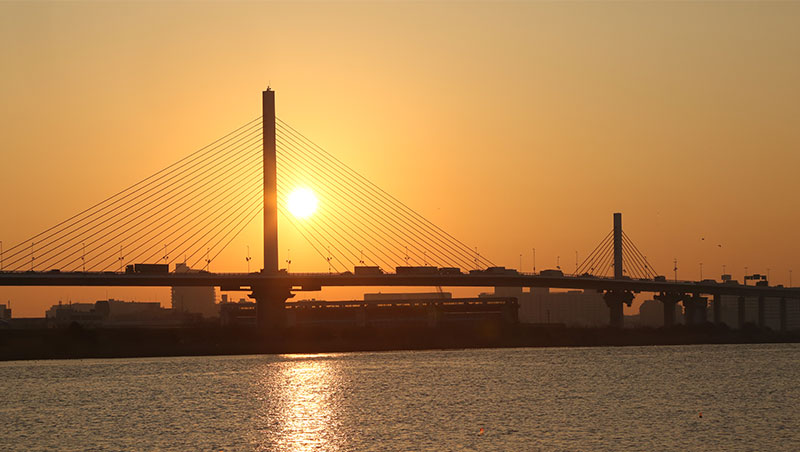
column 761, row 310
column 717, row 309
column 782, row 313
column 614, row 300
column 740, row 310
column 695, row 309
column 669, row 301
column 271, row 306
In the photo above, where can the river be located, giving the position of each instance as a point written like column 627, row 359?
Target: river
column 703, row 397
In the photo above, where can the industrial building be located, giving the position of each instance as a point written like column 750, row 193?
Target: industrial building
column 571, row 308
column 651, row 314
column 194, row 300
column 117, row 313
column 384, row 309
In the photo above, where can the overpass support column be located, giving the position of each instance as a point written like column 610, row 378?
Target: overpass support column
column 614, row 300
column 717, row 309
column 701, row 309
column 740, row 310
column 434, row 315
column 695, row 309
column 688, row 311
column 670, row 300
column 271, row 306
column 782, row 310
column 761, row 321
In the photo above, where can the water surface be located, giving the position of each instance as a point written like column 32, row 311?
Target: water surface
column 614, row 399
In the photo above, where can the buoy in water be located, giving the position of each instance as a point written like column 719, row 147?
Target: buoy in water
column 480, row 432
column 700, row 415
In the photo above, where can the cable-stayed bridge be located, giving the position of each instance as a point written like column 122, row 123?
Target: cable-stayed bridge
column 190, row 211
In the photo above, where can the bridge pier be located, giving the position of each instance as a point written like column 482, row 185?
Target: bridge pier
column 669, row 300
column 761, row 310
column 717, row 309
column 614, row 300
column 695, row 309
column 740, row 310
column 271, row 306
column 782, row 313
column 434, row 315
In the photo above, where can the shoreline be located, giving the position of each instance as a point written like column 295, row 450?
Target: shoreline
column 81, row 343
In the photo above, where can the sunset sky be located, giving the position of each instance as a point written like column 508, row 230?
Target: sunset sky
column 511, row 125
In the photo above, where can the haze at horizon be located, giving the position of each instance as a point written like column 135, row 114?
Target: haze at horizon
column 512, row 126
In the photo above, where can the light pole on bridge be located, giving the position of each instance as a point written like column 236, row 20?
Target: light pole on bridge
column 247, row 258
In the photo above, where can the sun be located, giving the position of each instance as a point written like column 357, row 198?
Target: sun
column 302, row 203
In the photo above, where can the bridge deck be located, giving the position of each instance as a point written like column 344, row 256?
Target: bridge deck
column 315, row 281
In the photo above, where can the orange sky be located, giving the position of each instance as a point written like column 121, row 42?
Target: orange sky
column 510, row 125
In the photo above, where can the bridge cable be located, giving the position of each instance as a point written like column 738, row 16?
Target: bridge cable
column 639, row 253
column 354, row 205
column 167, row 202
column 137, row 207
column 97, row 215
column 420, row 219
column 200, row 216
column 200, row 200
column 324, row 211
column 329, row 167
column 375, row 207
column 33, row 238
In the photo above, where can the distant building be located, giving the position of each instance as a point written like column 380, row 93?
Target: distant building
column 117, row 313
column 199, row 300
column 571, row 308
column 406, row 296
column 5, row 312
column 651, row 314
column 233, row 313
column 730, row 312
column 81, row 313
column 382, row 309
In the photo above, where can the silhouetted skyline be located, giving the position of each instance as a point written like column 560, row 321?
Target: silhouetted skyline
column 513, row 126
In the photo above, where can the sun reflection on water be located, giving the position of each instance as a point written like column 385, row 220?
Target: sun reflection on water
column 299, row 400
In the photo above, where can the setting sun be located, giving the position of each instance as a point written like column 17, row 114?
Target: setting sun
column 302, row 203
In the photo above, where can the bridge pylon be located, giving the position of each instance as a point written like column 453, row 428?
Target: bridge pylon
column 270, row 299
column 617, row 246
column 270, row 182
